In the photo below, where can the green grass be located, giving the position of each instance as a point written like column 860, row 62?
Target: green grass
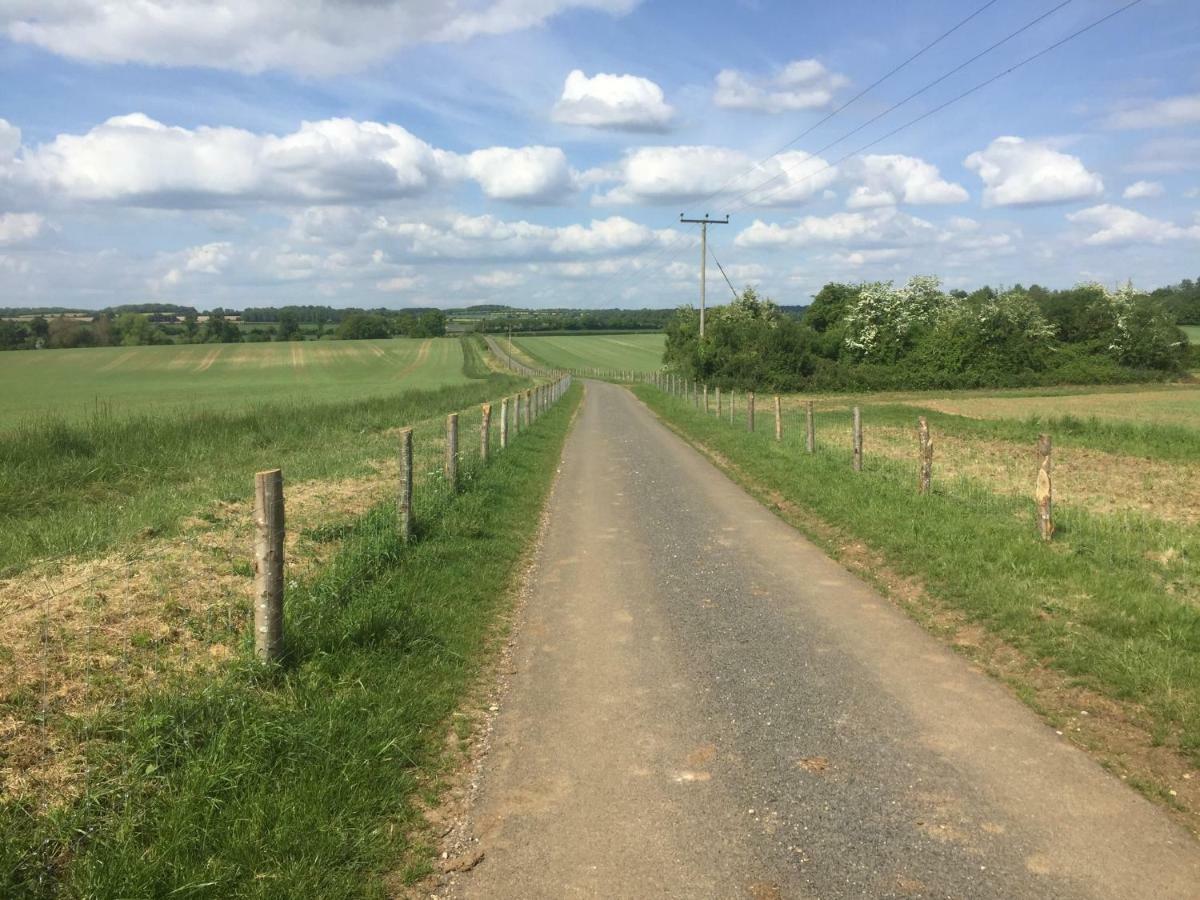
column 639, row 352
column 1097, row 604
column 1193, row 333
column 176, row 380
column 300, row 781
column 76, row 487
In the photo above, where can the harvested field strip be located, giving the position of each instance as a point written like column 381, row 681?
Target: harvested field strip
column 209, row 358
column 1103, row 483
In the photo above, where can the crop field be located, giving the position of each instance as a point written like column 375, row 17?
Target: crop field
column 74, row 383
column 638, row 352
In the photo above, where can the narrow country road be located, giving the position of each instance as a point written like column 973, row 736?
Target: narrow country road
column 705, row 705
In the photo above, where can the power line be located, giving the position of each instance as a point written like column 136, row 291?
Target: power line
column 874, row 84
column 895, row 106
column 974, row 89
column 1037, row 19
column 858, row 96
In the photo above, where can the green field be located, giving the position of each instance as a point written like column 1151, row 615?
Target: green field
column 73, row 383
column 1193, row 332
column 639, row 352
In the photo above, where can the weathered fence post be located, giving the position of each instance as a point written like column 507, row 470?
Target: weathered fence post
column 528, row 408
column 706, row 399
column 1045, row 491
column 750, row 411
column 732, row 404
column 485, row 433
column 778, row 420
column 268, row 565
column 404, row 502
column 452, row 451
column 504, row 424
column 926, row 443
column 858, row 448
column 718, row 401
column 810, row 428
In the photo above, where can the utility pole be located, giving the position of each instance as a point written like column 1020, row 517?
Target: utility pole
column 703, row 223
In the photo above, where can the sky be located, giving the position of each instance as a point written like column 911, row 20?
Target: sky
column 539, row 153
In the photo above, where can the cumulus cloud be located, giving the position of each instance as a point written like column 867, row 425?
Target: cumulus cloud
column 885, row 226
column 1142, row 189
column 1170, row 111
column 498, row 278
column 1118, row 225
column 1016, row 172
column 890, row 179
column 801, row 84
column 307, row 36
column 660, row 175
column 138, row 161
column 463, row 237
column 530, row 174
column 16, row 228
column 619, row 102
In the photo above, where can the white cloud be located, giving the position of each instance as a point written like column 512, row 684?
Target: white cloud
column 885, row 226
column 1182, row 110
column 16, row 228
column 1143, row 189
column 530, row 174
column 398, row 284
column 620, row 102
column 498, row 278
column 1176, row 154
column 135, row 160
column 1016, row 172
column 1118, row 225
column 891, row 179
column 308, row 36
column 801, row 84
column 679, row 174
column 462, row 237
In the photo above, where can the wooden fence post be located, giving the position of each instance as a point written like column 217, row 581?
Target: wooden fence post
column 706, row 399
column 517, row 413
column 732, row 404
column 926, row 443
column 858, row 448
column 528, row 408
column 404, row 501
column 750, row 411
column 810, row 428
column 718, row 401
column 1045, row 491
column 778, row 420
column 268, row 565
column 485, row 433
column 504, row 424
column 452, row 451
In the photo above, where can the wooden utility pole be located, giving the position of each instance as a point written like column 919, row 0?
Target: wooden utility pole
column 703, row 223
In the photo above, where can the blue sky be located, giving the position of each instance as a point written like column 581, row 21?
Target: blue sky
column 539, row 152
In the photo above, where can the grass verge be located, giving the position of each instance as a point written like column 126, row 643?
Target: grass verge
column 299, row 780
column 1109, row 606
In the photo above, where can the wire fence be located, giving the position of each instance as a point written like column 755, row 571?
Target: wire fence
column 84, row 638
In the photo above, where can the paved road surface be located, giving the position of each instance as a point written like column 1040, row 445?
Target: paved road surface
column 707, row 706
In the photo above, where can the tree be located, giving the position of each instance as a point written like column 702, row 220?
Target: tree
column 289, row 327
column 431, row 323
column 363, row 326
column 883, row 322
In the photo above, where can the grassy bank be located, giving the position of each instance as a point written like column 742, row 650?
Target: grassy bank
column 300, row 781
column 1112, row 605
column 78, row 487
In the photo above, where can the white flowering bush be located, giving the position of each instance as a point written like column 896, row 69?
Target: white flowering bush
column 884, row 321
column 1138, row 331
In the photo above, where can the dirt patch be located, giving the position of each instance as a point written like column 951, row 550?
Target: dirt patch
column 1120, row 735
column 209, row 359
column 83, row 637
column 815, row 764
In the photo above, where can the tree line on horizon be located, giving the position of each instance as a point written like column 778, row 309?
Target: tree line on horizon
column 877, row 336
